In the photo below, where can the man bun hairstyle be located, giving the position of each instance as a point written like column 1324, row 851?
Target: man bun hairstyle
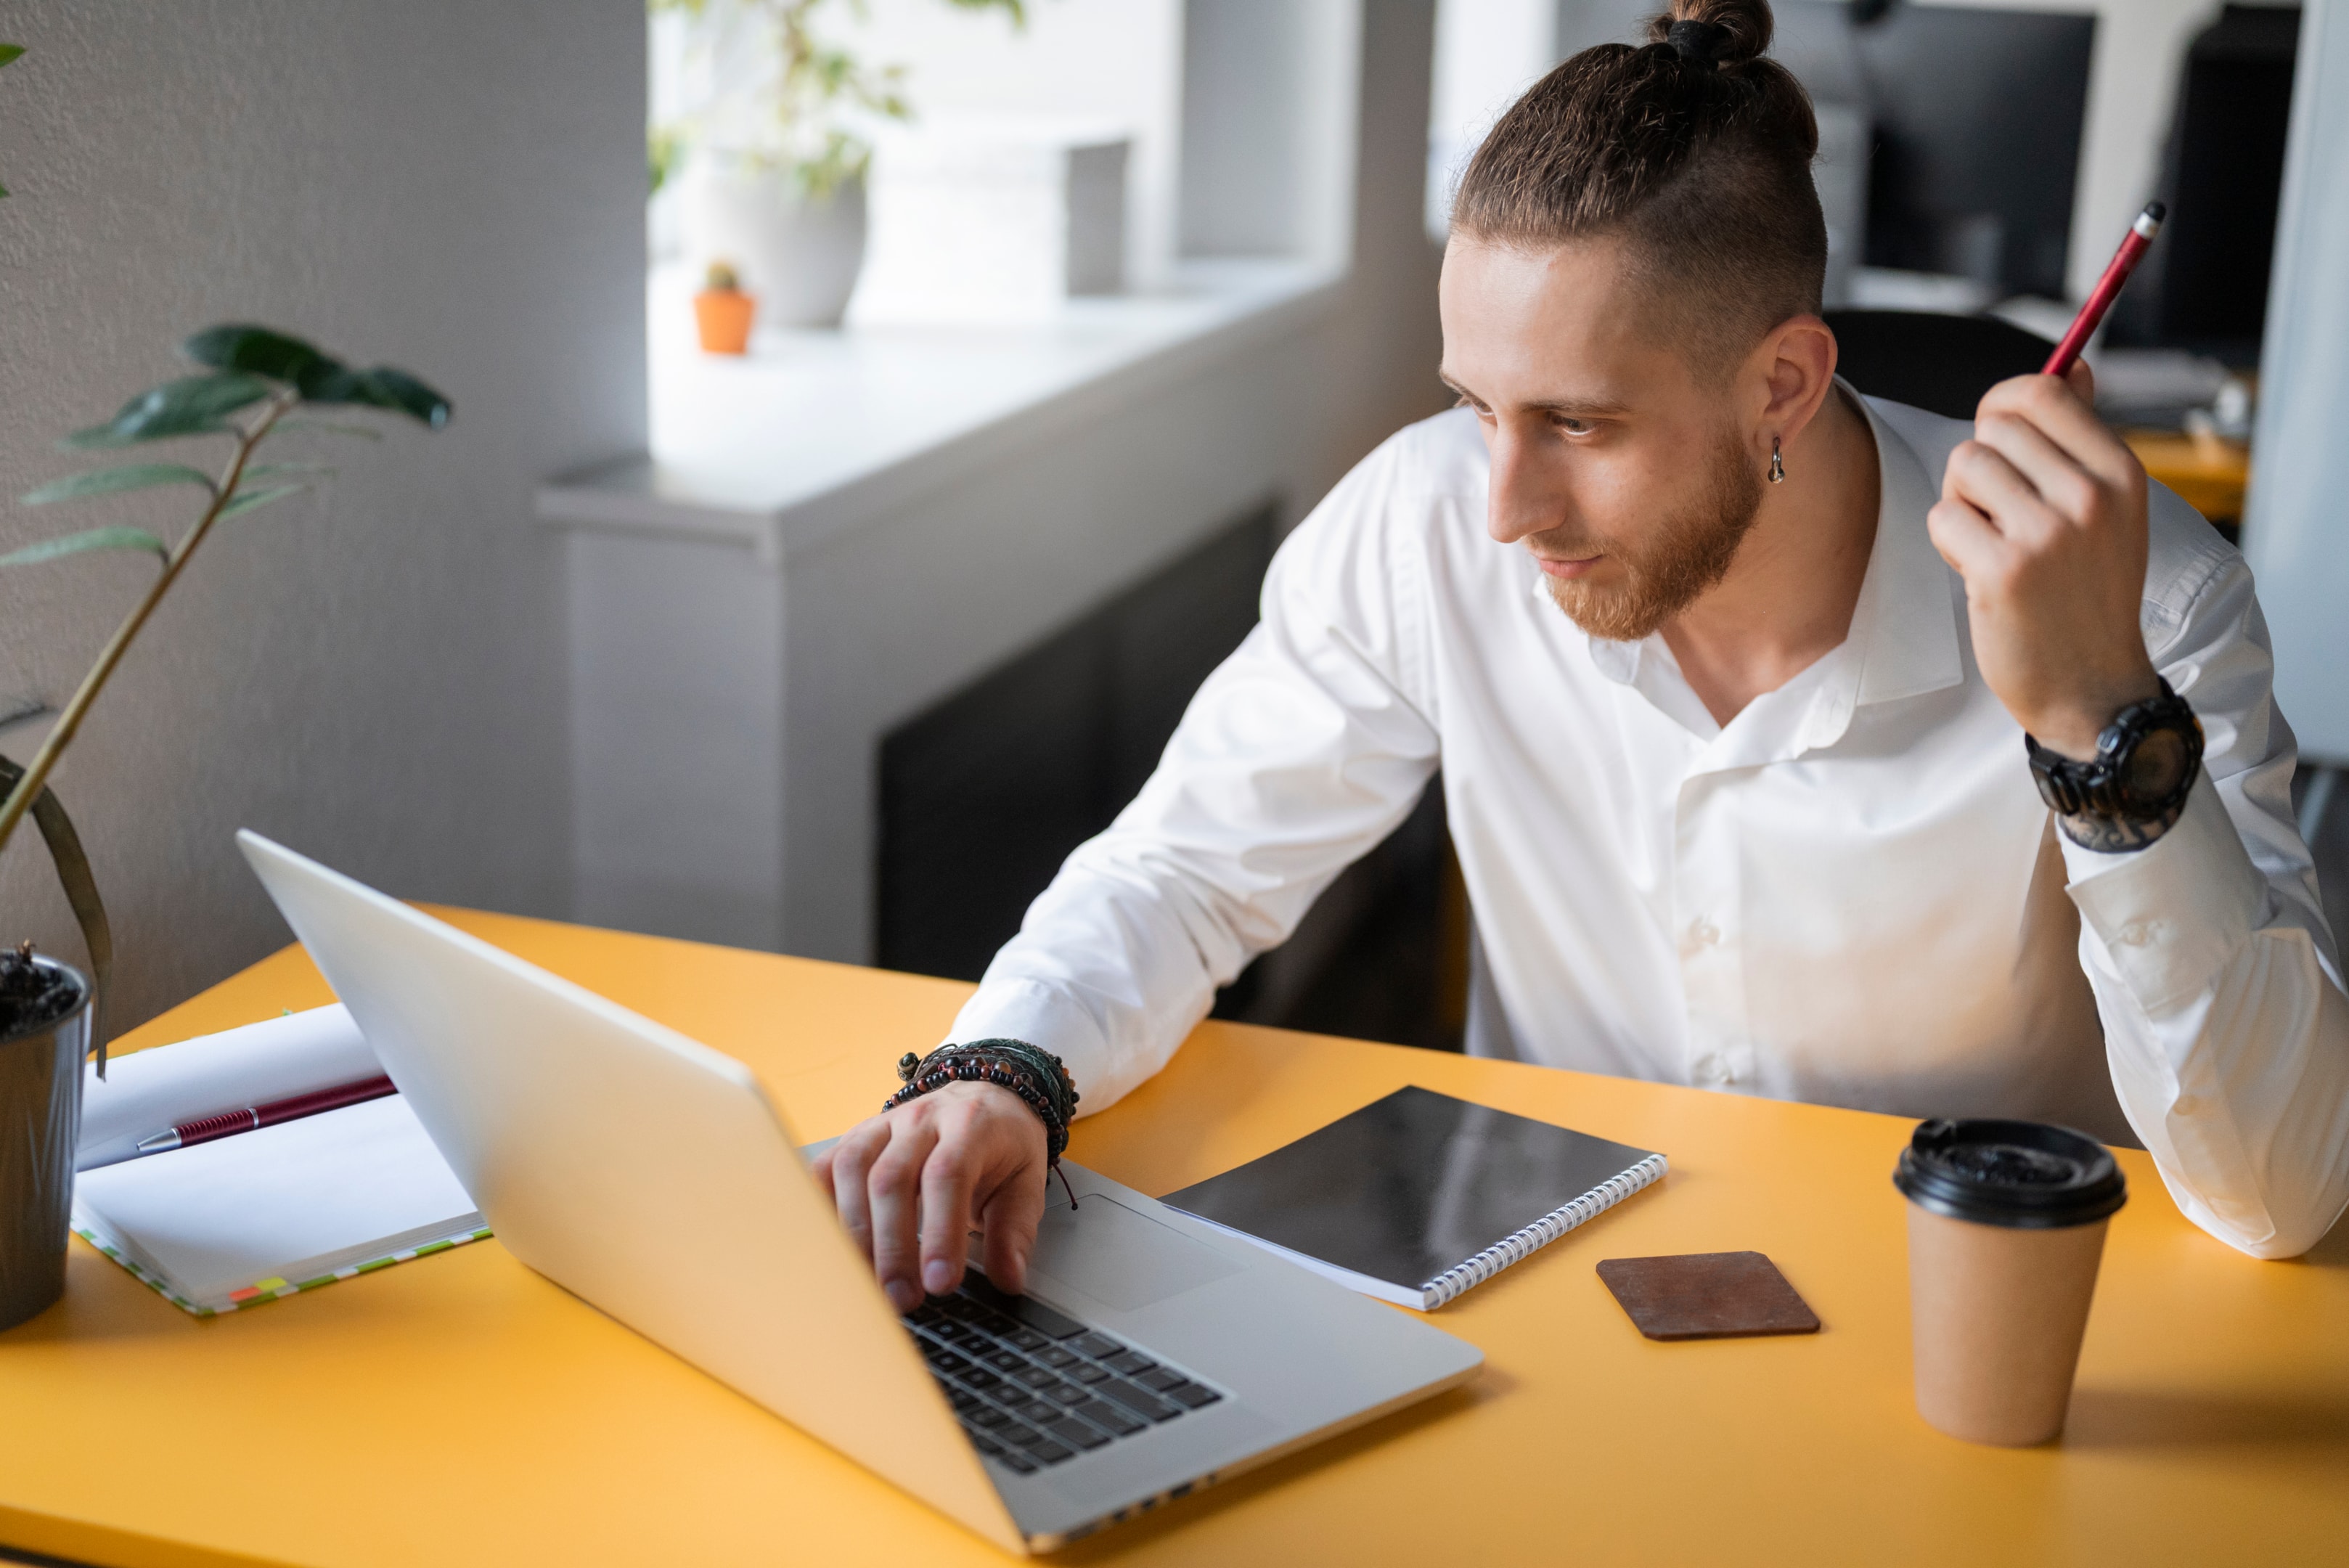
column 1694, row 149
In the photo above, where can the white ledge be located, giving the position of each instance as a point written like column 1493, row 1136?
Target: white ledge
column 813, row 432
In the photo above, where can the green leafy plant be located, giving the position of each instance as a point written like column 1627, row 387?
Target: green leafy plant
column 253, row 380
column 9, row 54
column 664, row 152
column 821, row 93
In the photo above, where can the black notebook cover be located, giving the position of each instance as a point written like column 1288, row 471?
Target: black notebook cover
column 1417, row 1197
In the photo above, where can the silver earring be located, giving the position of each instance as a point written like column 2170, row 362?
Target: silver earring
column 1777, row 463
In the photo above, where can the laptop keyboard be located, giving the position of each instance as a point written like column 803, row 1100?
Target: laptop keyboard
column 1034, row 1387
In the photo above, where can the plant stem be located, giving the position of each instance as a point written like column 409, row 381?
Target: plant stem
column 68, row 723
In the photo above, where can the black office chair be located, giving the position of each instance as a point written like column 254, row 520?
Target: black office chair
column 1929, row 360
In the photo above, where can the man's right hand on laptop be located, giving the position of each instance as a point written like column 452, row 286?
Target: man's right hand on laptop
column 911, row 1184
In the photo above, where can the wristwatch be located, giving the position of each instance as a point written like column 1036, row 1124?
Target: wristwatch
column 2134, row 787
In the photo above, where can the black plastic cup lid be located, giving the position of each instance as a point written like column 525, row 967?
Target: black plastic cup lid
column 2022, row 1174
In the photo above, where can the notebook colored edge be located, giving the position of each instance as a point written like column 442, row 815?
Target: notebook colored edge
column 263, row 1290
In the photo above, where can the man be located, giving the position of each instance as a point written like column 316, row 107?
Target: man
column 1729, row 674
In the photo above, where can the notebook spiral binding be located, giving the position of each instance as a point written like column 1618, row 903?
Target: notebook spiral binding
column 1525, row 1243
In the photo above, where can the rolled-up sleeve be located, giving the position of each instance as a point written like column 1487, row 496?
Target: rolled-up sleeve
column 2215, row 974
column 1299, row 754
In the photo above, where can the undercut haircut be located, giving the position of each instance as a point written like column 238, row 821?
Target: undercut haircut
column 1693, row 149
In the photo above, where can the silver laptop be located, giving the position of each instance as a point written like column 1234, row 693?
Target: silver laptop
column 652, row 1177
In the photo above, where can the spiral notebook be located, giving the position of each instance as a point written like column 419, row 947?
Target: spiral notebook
column 1418, row 1197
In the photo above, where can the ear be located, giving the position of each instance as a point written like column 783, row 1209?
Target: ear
column 1790, row 371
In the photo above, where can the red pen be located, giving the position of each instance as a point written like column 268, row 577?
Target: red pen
column 2108, row 288
column 244, row 1119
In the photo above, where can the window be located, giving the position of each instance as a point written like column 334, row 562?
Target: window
column 1211, row 128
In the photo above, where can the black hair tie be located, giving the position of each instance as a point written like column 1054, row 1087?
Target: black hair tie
column 1696, row 41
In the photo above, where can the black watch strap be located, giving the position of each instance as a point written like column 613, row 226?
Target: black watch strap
column 2134, row 788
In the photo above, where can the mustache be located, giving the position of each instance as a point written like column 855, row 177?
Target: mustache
column 1565, row 544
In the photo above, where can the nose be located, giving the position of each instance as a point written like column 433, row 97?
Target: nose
column 1526, row 497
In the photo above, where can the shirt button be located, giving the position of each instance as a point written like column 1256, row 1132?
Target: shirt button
column 2138, row 933
column 1702, row 934
column 1712, row 1069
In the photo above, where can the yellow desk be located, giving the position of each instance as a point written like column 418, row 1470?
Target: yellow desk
column 2211, row 473
column 460, row 1409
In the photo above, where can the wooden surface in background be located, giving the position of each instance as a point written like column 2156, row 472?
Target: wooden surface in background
column 2211, row 474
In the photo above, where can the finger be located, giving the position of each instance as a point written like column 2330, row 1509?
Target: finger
column 2071, row 493
column 2062, row 418
column 1011, row 1214
column 894, row 1190
column 1980, row 476
column 852, row 1158
column 1974, row 549
column 946, row 1182
column 2083, row 382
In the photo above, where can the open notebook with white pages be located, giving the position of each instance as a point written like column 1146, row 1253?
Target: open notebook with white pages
column 258, row 1215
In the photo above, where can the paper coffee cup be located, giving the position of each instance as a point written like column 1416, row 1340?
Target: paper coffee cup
column 2006, row 1227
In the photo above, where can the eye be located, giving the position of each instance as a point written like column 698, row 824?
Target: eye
column 1573, row 426
column 1462, row 401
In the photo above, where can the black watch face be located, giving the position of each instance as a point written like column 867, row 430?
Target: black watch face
column 2157, row 767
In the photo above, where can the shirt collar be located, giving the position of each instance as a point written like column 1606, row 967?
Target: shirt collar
column 1904, row 627
column 1906, row 622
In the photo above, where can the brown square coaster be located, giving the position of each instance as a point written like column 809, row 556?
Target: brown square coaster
column 1707, row 1295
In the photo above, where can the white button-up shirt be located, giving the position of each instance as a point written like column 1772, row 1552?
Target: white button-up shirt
column 1850, row 894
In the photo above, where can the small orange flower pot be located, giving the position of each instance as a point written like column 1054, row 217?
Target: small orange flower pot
column 724, row 316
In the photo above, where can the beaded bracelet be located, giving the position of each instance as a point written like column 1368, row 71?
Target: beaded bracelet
column 1041, row 1080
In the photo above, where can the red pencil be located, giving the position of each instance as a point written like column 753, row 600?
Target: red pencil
column 247, row 1117
column 2108, row 288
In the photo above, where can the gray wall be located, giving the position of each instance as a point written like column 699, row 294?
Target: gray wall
column 375, row 676
column 1243, row 118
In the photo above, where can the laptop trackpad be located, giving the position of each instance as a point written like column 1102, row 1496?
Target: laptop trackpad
column 1119, row 1258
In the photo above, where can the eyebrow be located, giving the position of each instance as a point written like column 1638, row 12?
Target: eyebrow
column 1576, row 408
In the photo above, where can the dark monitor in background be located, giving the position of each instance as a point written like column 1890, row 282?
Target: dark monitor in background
column 2204, row 284
column 1976, row 118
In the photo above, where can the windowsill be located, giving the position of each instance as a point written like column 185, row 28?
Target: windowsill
column 812, row 432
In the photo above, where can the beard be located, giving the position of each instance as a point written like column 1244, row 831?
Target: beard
column 1665, row 571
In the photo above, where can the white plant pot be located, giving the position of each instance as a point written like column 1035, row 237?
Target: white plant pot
column 799, row 254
